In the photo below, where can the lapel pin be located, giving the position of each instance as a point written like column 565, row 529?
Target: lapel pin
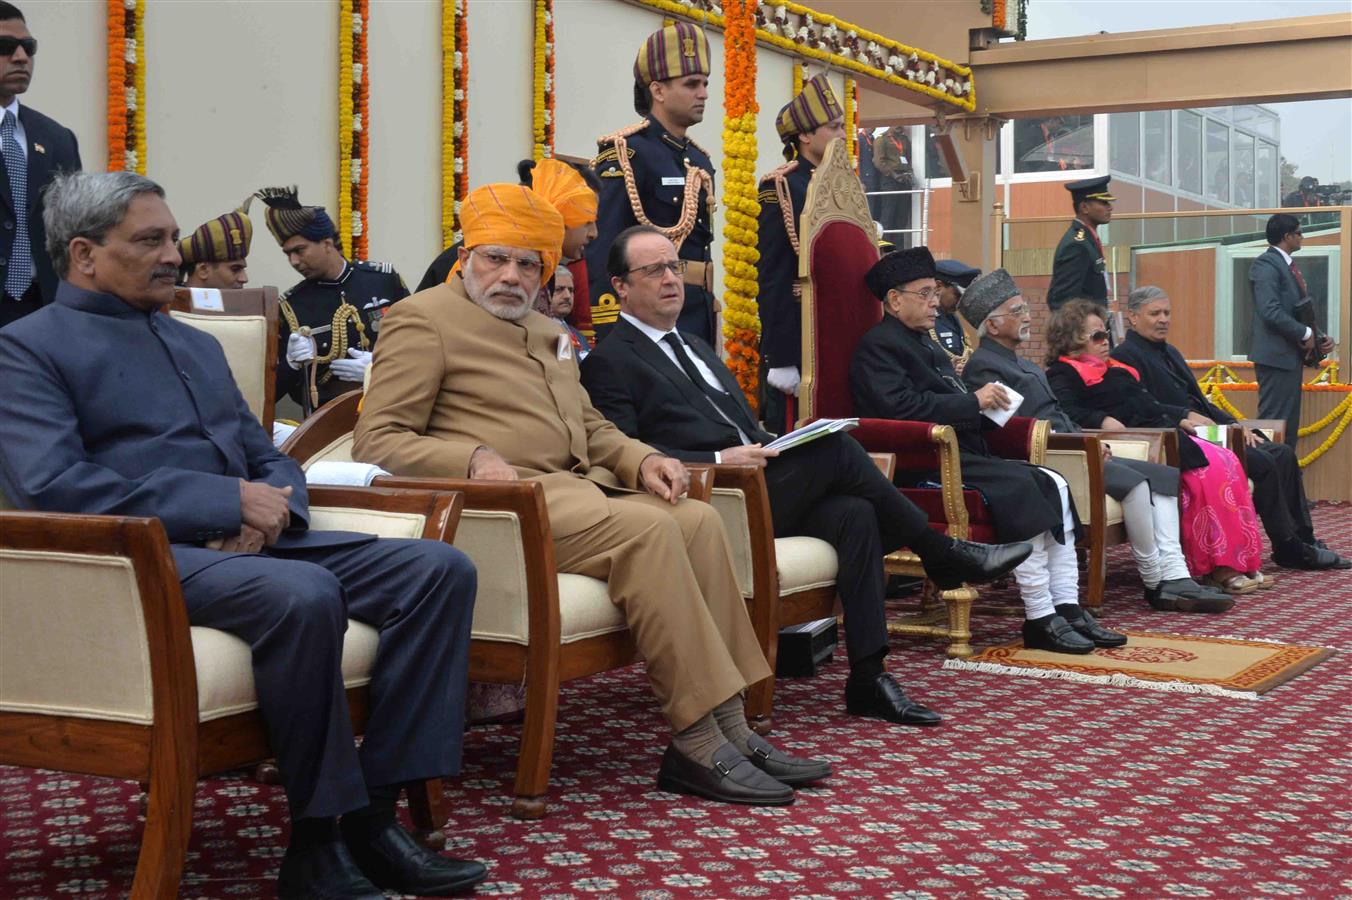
column 39, row 148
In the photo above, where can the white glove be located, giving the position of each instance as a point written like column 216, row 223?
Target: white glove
column 784, row 379
column 299, row 349
column 353, row 369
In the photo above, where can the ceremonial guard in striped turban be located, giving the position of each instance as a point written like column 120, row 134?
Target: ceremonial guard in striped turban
column 806, row 125
column 329, row 321
column 215, row 255
column 653, row 174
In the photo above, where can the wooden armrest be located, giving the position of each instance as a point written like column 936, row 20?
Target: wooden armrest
column 701, row 481
column 1273, row 429
column 1163, row 441
column 441, row 508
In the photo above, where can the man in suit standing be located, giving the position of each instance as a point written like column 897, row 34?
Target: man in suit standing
column 1280, row 342
column 470, row 382
column 35, row 148
column 112, row 407
column 668, row 388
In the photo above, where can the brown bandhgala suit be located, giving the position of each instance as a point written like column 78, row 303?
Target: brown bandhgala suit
column 449, row 377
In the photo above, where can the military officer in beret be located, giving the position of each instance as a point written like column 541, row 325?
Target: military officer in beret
column 653, row 174
column 215, row 255
column 807, row 124
column 329, row 321
column 1079, row 270
column 953, row 277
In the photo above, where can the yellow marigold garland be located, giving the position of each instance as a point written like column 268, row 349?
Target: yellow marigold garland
column 345, row 61
column 543, row 81
column 361, row 135
column 1219, row 378
column 454, row 123
column 741, row 321
column 126, row 86
column 852, row 120
column 797, row 80
column 822, row 37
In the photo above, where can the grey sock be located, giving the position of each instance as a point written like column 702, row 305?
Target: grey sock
column 698, row 742
column 731, row 718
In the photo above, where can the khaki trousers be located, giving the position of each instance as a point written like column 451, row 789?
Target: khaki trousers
column 670, row 570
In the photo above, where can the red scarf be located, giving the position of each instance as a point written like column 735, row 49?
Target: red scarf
column 1093, row 370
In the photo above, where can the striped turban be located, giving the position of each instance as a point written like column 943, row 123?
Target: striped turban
column 814, row 107
column 512, row 215
column 224, row 239
column 286, row 217
column 677, row 50
column 566, row 190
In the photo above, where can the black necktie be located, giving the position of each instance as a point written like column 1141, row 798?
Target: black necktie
column 730, row 408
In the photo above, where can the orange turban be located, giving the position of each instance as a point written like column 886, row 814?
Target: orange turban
column 562, row 186
column 512, row 215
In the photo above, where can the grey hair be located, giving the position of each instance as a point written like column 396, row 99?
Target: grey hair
column 562, row 270
column 981, row 329
column 1144, row 294
column 88, row 205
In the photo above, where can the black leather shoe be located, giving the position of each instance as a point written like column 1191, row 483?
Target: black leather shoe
column 785, row 769
column 731, row 779
column 1311, row 559
column 973, row 563
column 1186, row 595
column 1083, row 621
column 883, row 698
column 392, row 859
column 323, row 872
column 1055, row 634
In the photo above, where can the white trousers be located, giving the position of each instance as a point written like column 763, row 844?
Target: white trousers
column 1050, row 574
column 1151, row 521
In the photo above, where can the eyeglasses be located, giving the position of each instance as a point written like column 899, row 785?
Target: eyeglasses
column 9, row 44
column 927, row 294
column 1019, row 311
column 657, row 270
column 496, row 261
column 1099, row 337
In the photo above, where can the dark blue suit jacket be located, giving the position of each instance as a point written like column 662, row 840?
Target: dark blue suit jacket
column 110, row 410
column 52, row 148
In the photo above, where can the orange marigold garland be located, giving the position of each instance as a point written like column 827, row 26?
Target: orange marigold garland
column 454, row 115
column 741, row 320
column 126, row 86
column 361, row 89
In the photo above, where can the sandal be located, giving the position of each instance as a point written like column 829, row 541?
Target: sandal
column 1232, row 582
column 1264, row 582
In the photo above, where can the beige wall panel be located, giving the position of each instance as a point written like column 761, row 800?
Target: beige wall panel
column 500, row 37
column 69, row 82
column 242, row 95
column 404, row 184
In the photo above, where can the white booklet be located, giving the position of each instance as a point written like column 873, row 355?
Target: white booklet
column 347, row 474
column 1001, row 416
column 819, row 428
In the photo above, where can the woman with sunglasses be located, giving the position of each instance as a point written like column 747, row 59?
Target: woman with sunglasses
column 1219, row 526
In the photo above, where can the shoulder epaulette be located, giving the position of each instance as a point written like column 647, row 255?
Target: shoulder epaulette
column 776, row 174
column 692, row 143
column 375, row 265
column 622, row 133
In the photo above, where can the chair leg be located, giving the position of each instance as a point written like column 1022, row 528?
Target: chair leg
column 760, row 699
column 428, row 812
column 164, row 845
column 959, row 603
column 537, row 733
column 1097, row 575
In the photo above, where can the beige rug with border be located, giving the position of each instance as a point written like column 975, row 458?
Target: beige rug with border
column 1227, row 667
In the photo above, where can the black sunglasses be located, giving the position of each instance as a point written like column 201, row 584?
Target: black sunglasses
column 1099, row 337
column 9, row 44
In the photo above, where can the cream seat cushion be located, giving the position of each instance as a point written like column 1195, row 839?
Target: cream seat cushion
column 804, row 563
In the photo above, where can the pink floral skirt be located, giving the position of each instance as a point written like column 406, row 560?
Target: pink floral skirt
column 1217, row 519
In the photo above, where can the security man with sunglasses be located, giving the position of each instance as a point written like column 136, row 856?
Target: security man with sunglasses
column 35, row 148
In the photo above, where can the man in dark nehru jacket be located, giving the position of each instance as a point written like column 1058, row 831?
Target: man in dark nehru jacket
column 111, row 407
column 898, row 372
column 653, row 174
column 1078, row 269
column 216, row 254
column 953, row 276
column 807, row 125
column 329, row 321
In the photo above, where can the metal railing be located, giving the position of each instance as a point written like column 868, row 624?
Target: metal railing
column 922, row 232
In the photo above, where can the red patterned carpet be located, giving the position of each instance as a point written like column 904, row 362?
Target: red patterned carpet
column 1031, row 789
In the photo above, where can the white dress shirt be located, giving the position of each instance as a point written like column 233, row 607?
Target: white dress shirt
column 656, row 335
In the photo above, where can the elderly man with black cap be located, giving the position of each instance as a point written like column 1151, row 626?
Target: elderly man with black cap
column 215, row 255
column 330, row 320
column 807, row 124
column 1147, row 491
column 652, row 173
column 1078, row 269
column 953, row 276
column 899, row 372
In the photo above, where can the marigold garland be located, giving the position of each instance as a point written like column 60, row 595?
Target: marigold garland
column 852, row 120
column 454, row 119
column 797, row 80
column 801, row 31
column 1219, row 378
column 126, row 86
column 543, row 101
column 353, row 136
column 741, row 320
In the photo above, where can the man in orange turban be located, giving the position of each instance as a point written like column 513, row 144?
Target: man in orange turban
column 470, row 382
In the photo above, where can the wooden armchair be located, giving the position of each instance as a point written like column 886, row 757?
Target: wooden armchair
column 101, row 674
column 246, row 326
column 838, row 248
column 532, row 623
